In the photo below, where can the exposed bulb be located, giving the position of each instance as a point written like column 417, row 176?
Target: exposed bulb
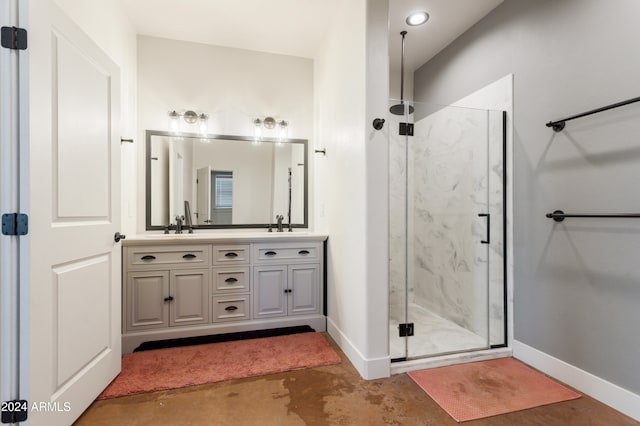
column 203, row 123
column 174, row 124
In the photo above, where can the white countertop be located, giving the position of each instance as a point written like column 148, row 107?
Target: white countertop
column 224, row 237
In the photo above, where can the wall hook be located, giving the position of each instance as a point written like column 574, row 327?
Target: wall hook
column 378, row 123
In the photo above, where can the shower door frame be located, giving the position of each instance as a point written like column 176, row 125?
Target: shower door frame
column 505, row 318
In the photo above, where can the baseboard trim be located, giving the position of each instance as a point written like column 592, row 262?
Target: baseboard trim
column 606, row 392
column 369, row 368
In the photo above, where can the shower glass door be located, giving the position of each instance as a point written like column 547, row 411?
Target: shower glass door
column 440, row 190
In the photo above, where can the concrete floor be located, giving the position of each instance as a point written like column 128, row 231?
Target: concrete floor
column 332, row 395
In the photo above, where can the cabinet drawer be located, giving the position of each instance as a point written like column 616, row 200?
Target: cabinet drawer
column 230, row 279
column 231, row 308
column 167, row 256
column 271, row 253
column 227, row 255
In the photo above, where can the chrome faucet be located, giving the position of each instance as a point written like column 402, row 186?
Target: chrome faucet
column 279, row 218
column 179, row 220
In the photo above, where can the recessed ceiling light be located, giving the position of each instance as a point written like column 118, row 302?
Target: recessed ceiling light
column 417, row 18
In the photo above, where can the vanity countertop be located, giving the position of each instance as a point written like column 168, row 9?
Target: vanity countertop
column 222, row 238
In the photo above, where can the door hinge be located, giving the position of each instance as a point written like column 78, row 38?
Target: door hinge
column 14, row 38
column 14, row 411
column 406, row 329
column 15, row 224
column 406, row 129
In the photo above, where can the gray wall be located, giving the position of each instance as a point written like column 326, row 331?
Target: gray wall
column 577, row 284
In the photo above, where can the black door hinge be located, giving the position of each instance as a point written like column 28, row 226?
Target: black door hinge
column 15, row 224
column 406, row 329
column 406, row 129
column 14, row 38
column 14, row 411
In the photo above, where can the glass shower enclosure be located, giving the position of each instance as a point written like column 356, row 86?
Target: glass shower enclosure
column 446, row 230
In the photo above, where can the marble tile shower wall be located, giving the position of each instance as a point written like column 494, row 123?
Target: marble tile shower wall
column 452, row 172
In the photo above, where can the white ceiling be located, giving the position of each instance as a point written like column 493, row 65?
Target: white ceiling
column 297, row 27
column 288, row 27
column 448, row 20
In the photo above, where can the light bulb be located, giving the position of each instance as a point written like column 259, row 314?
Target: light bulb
column 257, row 132
column 417, row 18
column 203, row 123
column 174, row 124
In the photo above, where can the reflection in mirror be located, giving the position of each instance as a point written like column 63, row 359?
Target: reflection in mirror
column 228, row 181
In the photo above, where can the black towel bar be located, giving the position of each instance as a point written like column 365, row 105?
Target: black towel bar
column 559, row 215
column 558, row 125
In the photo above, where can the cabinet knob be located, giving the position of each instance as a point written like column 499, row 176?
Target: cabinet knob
column 287, row 290
column 168, row 299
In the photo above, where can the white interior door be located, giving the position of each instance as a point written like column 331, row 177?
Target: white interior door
column 204, row 196
column 75, row 296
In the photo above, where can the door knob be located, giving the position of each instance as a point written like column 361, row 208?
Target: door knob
column 118, row 236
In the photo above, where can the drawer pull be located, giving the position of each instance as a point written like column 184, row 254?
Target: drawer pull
column 231, row 254
column 270, row 253
column 231, row 280
column 303, row 252
column 189, row 256
column 168, row 299
column 148, row 257
column 231, row 308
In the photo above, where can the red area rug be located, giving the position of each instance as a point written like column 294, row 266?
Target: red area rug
column 488, row 388
column 174, row 368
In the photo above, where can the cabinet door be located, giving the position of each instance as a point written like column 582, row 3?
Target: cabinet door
column 145, row 306
column 269, row 285
column 190, row 292
column 304, row 286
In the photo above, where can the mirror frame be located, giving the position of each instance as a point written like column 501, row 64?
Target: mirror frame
column 150, row 133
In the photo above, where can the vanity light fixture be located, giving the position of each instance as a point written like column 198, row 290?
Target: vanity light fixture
column 203, row 123
column 283, row 126
column 417, row 18
column 257, row 131
column 190, row 117
column 270, row 123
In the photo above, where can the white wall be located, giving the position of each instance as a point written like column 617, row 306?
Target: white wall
column 233, row 85
column 106, row 23
column 351, row 181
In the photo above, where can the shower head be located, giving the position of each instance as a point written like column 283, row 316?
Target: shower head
column 399, row 109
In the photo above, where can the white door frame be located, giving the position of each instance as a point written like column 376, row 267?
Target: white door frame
column 14, row 266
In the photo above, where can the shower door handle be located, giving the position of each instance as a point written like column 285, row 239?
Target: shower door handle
column 488, row 216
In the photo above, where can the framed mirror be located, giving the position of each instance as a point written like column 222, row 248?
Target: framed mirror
column 222, row 181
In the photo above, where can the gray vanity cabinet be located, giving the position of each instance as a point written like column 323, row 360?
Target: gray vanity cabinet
column 286, row 283
column 180, row 288
column 166, row 287
column 231, row 283
column 159, row 299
